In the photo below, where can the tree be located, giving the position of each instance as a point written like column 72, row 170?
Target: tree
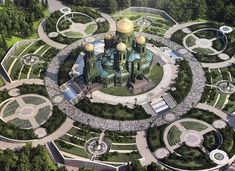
column 112, row 6
column 136, row 166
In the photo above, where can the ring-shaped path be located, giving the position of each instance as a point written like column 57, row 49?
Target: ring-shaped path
column 192, row 99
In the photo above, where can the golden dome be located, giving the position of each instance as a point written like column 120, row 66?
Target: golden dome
column 140, row 40
column 89, row 47
column 121, row 47
column 125, row 26
column 108, row 36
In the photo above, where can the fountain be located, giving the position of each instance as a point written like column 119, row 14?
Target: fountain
column 226, row 87
column 143, row 22
column 98, row 145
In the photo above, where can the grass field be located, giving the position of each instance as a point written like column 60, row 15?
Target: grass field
column 173, row 136
column 191, row 125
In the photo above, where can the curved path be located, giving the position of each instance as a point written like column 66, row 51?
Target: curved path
column 177, row 27
column 142, row 145
column 46, row 39
column 65, row 127
column 183, row 130
column 191, row 100
column 15, row 84
column 54, row 5
column 111, row 21
column 219, row 64
column 228, row 118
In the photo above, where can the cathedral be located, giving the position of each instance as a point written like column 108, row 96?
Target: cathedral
column 125, row 58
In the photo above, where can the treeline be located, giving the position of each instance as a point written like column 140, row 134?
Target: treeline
column 26, row 159
column 16, row 19
column 182, row 11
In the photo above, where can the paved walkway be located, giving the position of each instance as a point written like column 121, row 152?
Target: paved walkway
column 54, row 5
column 144, row 151
column 219, row 64
column 229, row 119
column 184, row 131
column 46, row 39
column 111, row 21
column 28, row 111
column 65, row 127
column 177, row 27
column 17, row 83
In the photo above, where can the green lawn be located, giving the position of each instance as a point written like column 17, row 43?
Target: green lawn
column 123, row 157
column 33, row 100
column 13, row 40
column 216, row 76
column 117, row 91
column 11, row 108
column 73, row 34
column 155, row 137
column 73, row 140
column 23, row 124
column 124, row 147
column 2, row 83
column 156, row 74
column 190, row 41
column 73, row 150
column 20, row 49
column 191, row 125
column 221, row 101
column 43, row 49
column 173, row 136
column 84, row 134
column 90, row 28
column 212, row 102
column 203, row 51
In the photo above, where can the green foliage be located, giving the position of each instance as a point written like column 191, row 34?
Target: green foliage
column 65, row 68
column 51, row 21
column 183, row 82
column 204, row 115
column 211, row 140
column 4, row 96
column 118, row 112
column 25, row 159
column 178, row 37
column 16, row 19
column 33, row 89
column 155, row 137
column 103, row 27
column 10, row 131
column 228, row 140
column 189, row 158
column 81, row 19
column 55, row 121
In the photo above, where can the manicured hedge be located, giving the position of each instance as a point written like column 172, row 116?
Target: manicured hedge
column 117, row 112
column 55, row 121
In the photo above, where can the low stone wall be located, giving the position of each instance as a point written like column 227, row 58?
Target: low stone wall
column 56, row 155
column 154, row 11
column 9, row 54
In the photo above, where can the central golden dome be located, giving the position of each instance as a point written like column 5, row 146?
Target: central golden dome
column 125, row 26
column 121, row 47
